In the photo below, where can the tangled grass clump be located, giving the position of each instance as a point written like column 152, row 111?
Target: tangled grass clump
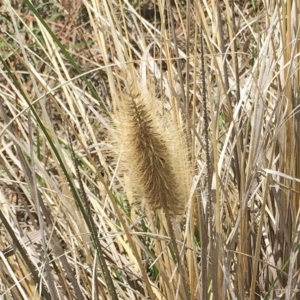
column 208, row 144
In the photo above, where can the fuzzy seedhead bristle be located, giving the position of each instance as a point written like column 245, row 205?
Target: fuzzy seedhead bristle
column 149, row 156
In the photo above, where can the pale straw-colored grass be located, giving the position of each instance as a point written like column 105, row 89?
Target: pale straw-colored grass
column 79, row 220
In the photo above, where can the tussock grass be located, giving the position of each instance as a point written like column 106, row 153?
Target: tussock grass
column 216, row 84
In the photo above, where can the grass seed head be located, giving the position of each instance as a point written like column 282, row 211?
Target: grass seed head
column 152, row 154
